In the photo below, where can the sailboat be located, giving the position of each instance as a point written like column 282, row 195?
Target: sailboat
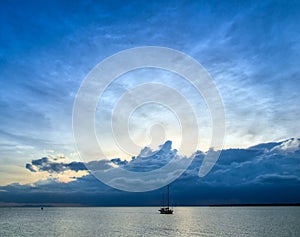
column 166, row 210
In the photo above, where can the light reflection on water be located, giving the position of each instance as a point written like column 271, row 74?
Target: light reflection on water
column 146, row 221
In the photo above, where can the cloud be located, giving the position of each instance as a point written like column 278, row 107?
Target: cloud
column 234, row 167
column 278, row 179
column 289, row 146
column 30, row 167
column 119, row 162
column 115, row 172
column 45, row 164
column 149, row 160
column 54, row 165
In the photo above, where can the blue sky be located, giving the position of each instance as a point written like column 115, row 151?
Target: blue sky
column 250, row 48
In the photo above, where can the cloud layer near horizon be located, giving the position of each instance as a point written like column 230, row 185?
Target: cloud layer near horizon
column 265, row 173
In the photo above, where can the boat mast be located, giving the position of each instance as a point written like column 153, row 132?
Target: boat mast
column 168, row 196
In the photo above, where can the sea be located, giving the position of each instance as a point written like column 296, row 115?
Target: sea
column 146, row 221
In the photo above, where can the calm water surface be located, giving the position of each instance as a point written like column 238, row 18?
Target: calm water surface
column 133, row 221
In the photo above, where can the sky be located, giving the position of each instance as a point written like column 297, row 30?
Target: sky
column 251, row 49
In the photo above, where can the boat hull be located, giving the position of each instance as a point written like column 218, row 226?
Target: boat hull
column 165, row 211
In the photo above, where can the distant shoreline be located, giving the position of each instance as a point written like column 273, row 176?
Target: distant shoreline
column 255, row 205
column 213, row 205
